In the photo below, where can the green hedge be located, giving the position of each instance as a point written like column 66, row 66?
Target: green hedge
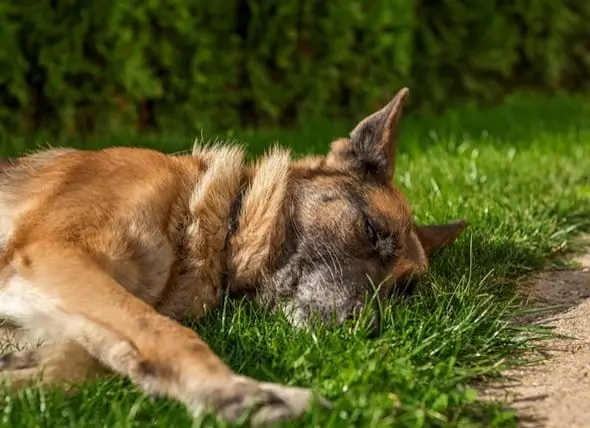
column 84, row 67
column 481, row 49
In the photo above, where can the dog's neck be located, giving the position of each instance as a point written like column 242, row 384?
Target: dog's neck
column 256, row 224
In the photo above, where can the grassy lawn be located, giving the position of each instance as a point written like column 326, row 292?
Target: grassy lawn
column 520, row 174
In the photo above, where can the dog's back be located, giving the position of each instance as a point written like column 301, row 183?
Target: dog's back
column 18, row 180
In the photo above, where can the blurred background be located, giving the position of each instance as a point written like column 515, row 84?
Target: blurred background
column 73, row 68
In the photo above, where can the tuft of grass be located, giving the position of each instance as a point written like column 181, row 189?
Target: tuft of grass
column 517, row 173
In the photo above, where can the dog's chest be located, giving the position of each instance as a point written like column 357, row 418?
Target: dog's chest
column 178, row 273
column 195, row 280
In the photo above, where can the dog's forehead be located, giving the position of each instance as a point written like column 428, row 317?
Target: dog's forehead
column 381, row 201
column 328, row 188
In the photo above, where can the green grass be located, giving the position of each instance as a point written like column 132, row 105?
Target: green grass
column 520, row 174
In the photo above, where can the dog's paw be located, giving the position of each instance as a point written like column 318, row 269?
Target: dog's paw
column 62, row 364
column 289, row 402
column 18, row 360
column 263, row 402
column 20, row 369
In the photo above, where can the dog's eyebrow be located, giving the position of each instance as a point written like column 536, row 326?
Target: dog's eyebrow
column 364, row 207
column 354, row 196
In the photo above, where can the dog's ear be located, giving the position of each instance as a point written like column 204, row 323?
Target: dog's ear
column 435, row 237
column 372, row 144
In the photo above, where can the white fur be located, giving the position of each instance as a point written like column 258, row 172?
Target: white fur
column 23, row 304
column 42, row 317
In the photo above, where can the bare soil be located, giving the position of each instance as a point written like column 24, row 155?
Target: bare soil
column 555, row 391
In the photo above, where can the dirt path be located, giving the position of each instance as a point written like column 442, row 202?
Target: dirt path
column 556, row 392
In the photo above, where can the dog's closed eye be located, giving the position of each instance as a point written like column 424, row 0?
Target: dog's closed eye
column 371, row 232
column 381, row 242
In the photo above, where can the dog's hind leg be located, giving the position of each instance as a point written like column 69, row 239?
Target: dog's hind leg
column 63, row 364
column 67, row 297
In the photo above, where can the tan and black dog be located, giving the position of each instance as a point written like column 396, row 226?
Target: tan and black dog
column 104, row 252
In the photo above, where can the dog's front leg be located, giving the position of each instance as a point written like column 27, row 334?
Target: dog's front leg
column 68, row 297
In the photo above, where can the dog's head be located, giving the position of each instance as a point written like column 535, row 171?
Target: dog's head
column 349, row 234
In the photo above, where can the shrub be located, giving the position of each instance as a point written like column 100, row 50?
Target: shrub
column 76, row 68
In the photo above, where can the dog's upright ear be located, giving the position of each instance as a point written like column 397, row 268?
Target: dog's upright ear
column 372, row 144
column 437, row 236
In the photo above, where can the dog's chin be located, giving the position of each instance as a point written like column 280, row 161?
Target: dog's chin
column 312, row 301
column 296, row 316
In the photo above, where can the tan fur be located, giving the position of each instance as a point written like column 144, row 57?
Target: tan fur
column 99, row 219
column 103, row 252
column 263, row 229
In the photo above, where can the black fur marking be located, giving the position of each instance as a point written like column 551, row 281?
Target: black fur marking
column 150, row 369
column 234, row 215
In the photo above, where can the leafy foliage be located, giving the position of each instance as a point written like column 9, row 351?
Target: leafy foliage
column 104, row 66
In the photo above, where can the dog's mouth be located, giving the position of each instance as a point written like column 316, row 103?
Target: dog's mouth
column 404, row 288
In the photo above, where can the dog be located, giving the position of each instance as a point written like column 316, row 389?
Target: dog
column 104, row 253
